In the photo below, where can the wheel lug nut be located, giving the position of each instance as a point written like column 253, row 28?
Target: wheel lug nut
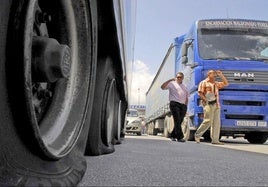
column 43, row 17
column 51, row 60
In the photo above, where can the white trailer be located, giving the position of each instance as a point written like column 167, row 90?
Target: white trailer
column 158, row 116
column 157, row 103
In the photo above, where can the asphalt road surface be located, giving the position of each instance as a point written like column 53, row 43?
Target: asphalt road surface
column 157, row 161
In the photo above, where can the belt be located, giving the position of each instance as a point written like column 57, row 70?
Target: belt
column 176, row 102
column 212, row 102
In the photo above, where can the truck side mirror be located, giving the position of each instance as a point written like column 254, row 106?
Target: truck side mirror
column 184, row 51
column 184, row 59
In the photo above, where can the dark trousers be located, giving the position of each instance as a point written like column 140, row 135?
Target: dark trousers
column 178, row 111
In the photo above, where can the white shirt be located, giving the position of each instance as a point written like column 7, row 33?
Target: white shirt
column 177, row 92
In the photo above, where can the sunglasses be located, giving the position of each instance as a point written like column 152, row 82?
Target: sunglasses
column 179, row 77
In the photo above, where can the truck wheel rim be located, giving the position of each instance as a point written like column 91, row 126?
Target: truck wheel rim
column 49, row 90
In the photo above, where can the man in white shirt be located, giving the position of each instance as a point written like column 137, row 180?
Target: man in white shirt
column 178, row 98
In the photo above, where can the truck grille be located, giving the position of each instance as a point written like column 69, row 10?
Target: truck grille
column 248, row 77
column 243, row 103
column 244, row 117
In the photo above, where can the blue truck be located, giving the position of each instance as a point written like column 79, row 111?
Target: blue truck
column 237, row 47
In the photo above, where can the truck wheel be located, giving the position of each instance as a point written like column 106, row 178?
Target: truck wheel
column 256, row 137
column 150, row 128
column 155, row 131
column 191, row 131
column 166, row 133
column 191, row 135
column 118, row 121
column 101, row 133
column 139, row 133
column 206, row 136
column 186, row 127
column 47, row 73
column 170, row 125
column 124, row 107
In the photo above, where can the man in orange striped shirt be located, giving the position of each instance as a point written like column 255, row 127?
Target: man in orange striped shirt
column 208, row 91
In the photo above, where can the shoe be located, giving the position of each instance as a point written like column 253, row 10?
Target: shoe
column 197, row 140
column 181, row 140
column 173, row 139
column 217, row 143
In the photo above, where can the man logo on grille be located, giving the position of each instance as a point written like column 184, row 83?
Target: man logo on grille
column 244, row 75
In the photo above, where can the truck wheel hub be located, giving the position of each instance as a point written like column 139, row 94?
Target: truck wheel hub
column 51, row 60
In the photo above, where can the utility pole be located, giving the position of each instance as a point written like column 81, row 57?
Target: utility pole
column 138, row 96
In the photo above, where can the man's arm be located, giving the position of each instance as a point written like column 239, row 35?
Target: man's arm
column 164, row 85
column 202, row 96
column 201, row 92
column 224, row 80
column 186, row 102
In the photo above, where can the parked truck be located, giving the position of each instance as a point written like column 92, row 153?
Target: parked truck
column 65, row 75
column 237, row 47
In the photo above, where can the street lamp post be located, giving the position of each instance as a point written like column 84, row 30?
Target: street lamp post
column 138, row 96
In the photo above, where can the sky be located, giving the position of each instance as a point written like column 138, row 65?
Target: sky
column 158, row 22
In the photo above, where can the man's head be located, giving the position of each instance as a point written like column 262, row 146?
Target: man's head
column 211, row 74
column 179, row 77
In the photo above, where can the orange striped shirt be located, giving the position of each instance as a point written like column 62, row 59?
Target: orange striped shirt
column 207, row 86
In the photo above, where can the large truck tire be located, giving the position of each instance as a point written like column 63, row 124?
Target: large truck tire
column 166, row 133
column 46, row 89
column 185, row 126
column 155, row 131
column 101, row 133
column 118, row 121
column 151, row 129
column 124, row 106
column 191, row 132
column 191, row 135
column 257, row 137
column 109, row 86
column 207, row 137
column 170, row 124
column 159, row 126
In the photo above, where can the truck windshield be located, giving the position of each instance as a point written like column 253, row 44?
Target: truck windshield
column 132, row 113
column 233, row 44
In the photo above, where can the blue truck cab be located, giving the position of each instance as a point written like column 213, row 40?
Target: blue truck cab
column 239, row 48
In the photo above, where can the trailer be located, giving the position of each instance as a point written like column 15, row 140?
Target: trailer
column 158, row 115
column 64, row 86
column 237, row 47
